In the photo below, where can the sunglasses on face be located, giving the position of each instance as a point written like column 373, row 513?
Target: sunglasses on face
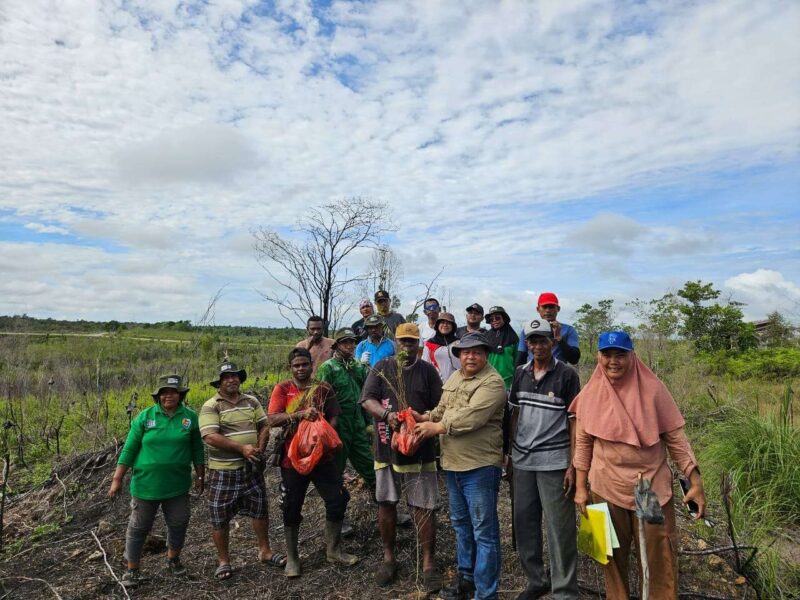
column 495, row 317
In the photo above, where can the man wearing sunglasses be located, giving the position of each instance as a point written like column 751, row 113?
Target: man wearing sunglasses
column 427, row 330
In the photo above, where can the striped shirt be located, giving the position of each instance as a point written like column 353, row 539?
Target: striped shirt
column 239, row 421
column 542, row 439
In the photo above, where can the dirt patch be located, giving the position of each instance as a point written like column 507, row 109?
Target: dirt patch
column 50, row 549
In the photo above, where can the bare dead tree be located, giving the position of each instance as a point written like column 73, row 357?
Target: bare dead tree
column 385, row 272
column 424, row 291
column 311, row 273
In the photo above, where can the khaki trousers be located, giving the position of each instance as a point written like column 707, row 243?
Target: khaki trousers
column 662, row 553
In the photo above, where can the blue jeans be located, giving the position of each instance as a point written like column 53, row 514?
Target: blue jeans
column 473, row 513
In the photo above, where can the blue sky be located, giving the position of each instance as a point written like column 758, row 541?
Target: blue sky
column 595, row 149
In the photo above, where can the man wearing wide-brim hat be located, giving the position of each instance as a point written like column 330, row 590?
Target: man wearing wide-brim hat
column 235, row 428
column 347, row 376
column 469, row 423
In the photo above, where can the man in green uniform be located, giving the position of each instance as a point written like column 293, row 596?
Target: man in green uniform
column 346, row 376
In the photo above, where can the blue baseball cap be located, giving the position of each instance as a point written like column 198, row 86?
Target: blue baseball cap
column 615, row 339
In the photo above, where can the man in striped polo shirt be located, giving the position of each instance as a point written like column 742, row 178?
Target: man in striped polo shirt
column 541, row 471
column 235, row 428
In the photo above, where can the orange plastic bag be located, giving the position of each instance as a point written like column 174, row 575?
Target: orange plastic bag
column 312, row 441
column 405, row 440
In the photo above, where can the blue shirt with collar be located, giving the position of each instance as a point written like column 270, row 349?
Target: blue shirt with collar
column 384, row 349
column 568, row 334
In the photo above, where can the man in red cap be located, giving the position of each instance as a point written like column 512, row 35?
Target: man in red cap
column 565, row 336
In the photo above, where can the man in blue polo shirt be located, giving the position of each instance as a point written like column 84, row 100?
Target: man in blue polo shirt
column 565, row 336
column 377, row 346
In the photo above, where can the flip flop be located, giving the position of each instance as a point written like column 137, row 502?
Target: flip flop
column 277, row 560
column 223, row 572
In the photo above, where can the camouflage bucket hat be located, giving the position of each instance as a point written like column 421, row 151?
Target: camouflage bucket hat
column 374, row 321
column 228, row 367
column 344, row 334
column 174, row 382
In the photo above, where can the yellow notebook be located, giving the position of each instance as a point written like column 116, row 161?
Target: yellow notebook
column 596, row 535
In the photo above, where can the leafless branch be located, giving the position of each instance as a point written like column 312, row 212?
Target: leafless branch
column 311, row 272
column 105, row 560
column 25, row 580
column 429, row 288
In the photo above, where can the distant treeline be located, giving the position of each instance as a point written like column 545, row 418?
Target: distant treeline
column 24, row 323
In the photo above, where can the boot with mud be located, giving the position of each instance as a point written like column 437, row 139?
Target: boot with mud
column 292, row 568
column 333, row 541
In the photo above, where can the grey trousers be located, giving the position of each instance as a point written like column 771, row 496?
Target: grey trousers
column 537, row 493
column 143, row 513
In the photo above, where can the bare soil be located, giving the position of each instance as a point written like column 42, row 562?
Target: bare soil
column 50, row 551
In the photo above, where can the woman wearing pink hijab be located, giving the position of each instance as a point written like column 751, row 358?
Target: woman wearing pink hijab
column 626, row 423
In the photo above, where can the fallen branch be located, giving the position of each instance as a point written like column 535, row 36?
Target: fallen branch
column 26, row 580
column 718, row 550
column 66, row 513
column 111, row 570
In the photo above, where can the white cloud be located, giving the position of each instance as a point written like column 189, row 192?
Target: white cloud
column 176, row 130
column 40, row 228
column 766, row 290
column 201, row 153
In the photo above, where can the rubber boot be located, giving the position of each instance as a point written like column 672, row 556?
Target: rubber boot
column 292, row 568
column 333, row 541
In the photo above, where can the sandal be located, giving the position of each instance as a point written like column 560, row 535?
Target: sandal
column 386, row 574
column 223, row 572
column 277, row 560
column 175, row 566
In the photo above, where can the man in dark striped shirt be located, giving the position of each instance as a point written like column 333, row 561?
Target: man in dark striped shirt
column 540, row 466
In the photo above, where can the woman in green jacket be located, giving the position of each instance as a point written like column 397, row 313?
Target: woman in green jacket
column 163, row 443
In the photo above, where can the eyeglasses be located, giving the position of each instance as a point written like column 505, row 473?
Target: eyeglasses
column 494, row 317
column 432, row 307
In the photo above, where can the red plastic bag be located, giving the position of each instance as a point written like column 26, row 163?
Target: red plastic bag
column 312, row 441
column 405, row 440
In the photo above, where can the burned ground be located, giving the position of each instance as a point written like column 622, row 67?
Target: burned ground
column 51, row 551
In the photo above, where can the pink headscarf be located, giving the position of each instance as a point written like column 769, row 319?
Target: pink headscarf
column 635, row 410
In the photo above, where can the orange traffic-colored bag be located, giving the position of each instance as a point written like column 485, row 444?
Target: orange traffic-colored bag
column 313, row 440
column 405, row 440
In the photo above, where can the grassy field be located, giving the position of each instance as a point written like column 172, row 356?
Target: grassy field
column 67, row 394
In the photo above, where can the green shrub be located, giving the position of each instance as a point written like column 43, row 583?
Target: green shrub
column 761, row 453
column 757, row 362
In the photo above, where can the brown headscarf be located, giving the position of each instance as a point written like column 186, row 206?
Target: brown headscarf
column 635, row 410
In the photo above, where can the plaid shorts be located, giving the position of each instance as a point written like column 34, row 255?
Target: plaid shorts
column 234, row 492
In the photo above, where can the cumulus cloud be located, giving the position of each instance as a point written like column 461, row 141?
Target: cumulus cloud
column 41, row 228
column 200, row 153
column 766, row 290
column 176, row 128
column 609, row 233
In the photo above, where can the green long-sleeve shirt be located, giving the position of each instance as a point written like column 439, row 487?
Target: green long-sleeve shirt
column 346, row 378
column 161, row 450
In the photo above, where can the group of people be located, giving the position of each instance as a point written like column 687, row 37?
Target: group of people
column 499, row 403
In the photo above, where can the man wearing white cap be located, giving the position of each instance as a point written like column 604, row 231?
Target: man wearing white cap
column 542, row 436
